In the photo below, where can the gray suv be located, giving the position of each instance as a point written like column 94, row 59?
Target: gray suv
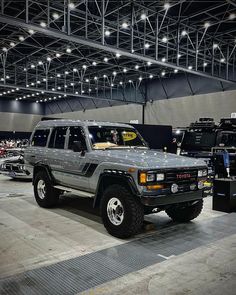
column 112, row 164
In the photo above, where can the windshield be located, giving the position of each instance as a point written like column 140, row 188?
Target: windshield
column 227, row 139
column 198, row 140
column 104, row 137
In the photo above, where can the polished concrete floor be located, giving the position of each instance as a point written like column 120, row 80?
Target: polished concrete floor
column 66, row 250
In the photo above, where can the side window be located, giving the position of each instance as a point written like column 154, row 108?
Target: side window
column 76, row 134
column 57, row 139
column 40, row 137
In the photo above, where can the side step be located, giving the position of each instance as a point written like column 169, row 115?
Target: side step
column 74, row 191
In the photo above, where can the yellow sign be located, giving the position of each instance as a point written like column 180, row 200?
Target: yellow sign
column 129, row 135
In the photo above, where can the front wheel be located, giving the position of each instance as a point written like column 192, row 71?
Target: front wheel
column 122, row 213
column 185, row 212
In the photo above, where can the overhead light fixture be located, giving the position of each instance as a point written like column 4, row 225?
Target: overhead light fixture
column 163, row 73
column 82, row 91
column 184, row 33
column 21, row 38
column 44, row 79
column 31, row 31
column 163, row 59
column 68, row 50
column 205, row 64
column 136, row 67
column 140, row 78
column 84, row 67
column 37, row 93
column 164, row 39
column 95, row 78
column 149, row 63
column 7, row 77
column 146, row 45
column 32, row 83
column 143, row 16
column 37, row 101
column 90, row 89
column 49, row 58
column 232, row 16
column 12, row 44
column 43, row 24
column 222, row 60
column 114, row 73
column 59, row 87
column 118, row 54
column 16, row 98
column 167, row 6
column 32, row 66
column 58, row 55
column 58, row 75
column 121, row 83
column 71, row 5
column 207, row 25
column 55, row 15
column 104, row 76
column 94, row 63
column 179, row 55
column 107, row 33
column 105, row 59
column 40, row 62
column 4, row 49
column 124, row 70
column 87, row 80
column 124, row 25
column 17, row 89
column 66, row 72
column 72, row 84
column 176, row 71
column 75, row 70
column 190, row 67
column 38, row 82
column 215, row 45
column 130, row 81
column 151, row 76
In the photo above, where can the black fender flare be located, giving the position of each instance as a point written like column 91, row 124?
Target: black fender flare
column 42, row 167
column 112, row 178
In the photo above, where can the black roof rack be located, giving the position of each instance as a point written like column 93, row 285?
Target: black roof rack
column 203, row 123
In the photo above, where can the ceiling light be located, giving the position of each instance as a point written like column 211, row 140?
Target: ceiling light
column 38, row 82
column 232, row 16
column 12, row 90
column 43, row 24
column 82, row 91
column 164, row 39
column 136, row 67
column 21, row 38
column 163, row 73
column 114, row 73
column 84, row 67
column 87, row 80
column 167, row 6
column 118, row 54
column 190, row 67
column 44, row 79
column 105, row 59
column 75, row 70
column 37, row 93
column 68, row 50
column 140, row 78
column 59, row 88
column 71, row 5
column 121, row 83
column 184, row 33
column 2, row 79
column 176, row 70
column 163, row 59
column 104, row 76
column 55, row 15
column 107, row 33
column 205, row 64
column 146, row 45
column 149, row 63
column 37, row 101
column 4, row 49
column 143, row 16
column 16, row 98
column 151, row 76
column 40, row 62
column 7, row 77
column 215, row 46
column 42, row 92
column 206, row 25
column 31, row 31
column 49, row 58
column 58, row 75
column 94, row 63
column 179, row 55
column 222, row 60
column 32, row 66
column 12, row 44
column 59, row 96
column 8, row 91
column 4, row 92
column 72, row 84
column 124, row 70
column 90, row 89
column 17, row 89
column 58, row 55
column 33, row 94
column 95, row 78
column 28, row 95
column 66, row 72
column 32, row 83
column 130, row 81
column 124, row 25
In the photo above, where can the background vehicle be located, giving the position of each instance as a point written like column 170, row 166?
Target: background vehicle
column 112, row 164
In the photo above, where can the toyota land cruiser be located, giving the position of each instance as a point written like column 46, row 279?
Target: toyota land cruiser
column 112, row 164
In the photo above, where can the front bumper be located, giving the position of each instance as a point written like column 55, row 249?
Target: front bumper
column 14, row 174
column 162, row 200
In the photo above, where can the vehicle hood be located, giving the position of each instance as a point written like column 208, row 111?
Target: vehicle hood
column 148, row 158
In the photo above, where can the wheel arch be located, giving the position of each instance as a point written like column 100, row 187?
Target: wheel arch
column 41, row 167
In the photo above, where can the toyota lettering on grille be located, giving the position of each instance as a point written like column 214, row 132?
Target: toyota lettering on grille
column 183, row 176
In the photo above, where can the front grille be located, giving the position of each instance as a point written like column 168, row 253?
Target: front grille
column 181, row 175
column 15, row 168
column 8, row 167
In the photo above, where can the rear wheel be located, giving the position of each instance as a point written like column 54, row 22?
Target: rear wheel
column 185, row 212
column 45, row 194
column 122, row 213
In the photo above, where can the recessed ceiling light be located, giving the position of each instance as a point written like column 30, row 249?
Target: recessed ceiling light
column 43, row 24
column 163, row 59
column 72, row 84
column 167, row 6
column 190, row 67
column 87, row 80
column 143, row 16
column 136, row 67
column 44, row 79
column 176, row 70
column 55, row 15
column 59, row 88
column 82, row 91
column 17, row 89
column 164, row 39
column 38, row 82
column 32, row 83
column 107, row 33
column 163, row 73
column 146, row 45
column 37, row 101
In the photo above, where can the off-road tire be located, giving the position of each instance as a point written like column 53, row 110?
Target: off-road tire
column 133, row 212
column 183, row 212
column 51, row 194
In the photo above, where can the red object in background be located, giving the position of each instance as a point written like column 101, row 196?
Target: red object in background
column 2, row 152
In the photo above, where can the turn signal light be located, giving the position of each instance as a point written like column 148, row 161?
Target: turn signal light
column 155, row 187
column 142, row 178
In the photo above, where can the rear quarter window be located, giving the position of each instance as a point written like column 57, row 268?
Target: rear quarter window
column 40, row 137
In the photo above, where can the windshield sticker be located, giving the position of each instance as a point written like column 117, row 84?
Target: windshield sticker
column 127, row 136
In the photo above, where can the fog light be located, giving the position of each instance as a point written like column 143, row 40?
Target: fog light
column 193, row 186
column 200, row 184
column 174, row 188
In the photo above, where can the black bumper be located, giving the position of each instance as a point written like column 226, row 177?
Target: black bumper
column 162, row 200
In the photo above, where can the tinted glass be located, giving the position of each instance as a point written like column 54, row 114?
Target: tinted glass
column 76, row 134
column 40, row 138
column 58, row 137
column 198, row 140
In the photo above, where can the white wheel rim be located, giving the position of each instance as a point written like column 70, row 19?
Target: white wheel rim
column 41, row 188
column 115, row 211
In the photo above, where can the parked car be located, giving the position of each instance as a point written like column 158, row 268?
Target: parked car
column 112, row 164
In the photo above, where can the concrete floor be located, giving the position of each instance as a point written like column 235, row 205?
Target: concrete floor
column 32, row 238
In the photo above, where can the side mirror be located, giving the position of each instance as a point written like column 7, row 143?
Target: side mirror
column 78, row 147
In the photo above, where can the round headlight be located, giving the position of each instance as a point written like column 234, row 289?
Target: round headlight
column 174, row 188
column 150, row 177
column 199, row 174
column 200, row 184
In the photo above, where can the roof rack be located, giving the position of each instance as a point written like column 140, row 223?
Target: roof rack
column 203, row 123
